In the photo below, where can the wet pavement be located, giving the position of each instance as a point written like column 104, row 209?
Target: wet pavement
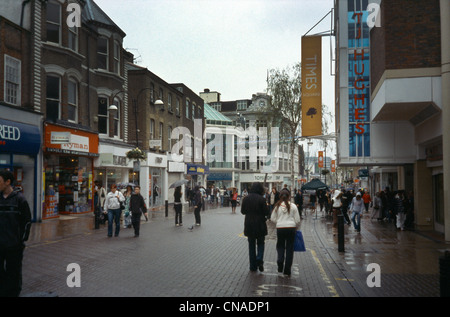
column 212, row 260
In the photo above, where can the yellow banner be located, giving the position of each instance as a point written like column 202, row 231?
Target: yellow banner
column 311, row 85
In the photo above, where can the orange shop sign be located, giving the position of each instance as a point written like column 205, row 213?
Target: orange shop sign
column 58, row 139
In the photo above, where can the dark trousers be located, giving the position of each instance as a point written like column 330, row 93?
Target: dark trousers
column 197, row 209
column 136, row 222
column 256, row 251
column 178, row 216
column 285, row 249
column 11, row 272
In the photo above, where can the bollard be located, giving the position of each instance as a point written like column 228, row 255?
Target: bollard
column 167, row 208
column 444, row 270
column 341, row 233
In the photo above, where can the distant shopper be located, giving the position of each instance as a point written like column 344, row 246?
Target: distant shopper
column 367, row 200
column 357, row 207
column 234, row 196
column 256, row 213
column 287, row 219
column 112, row 205
column 178, row 206
column 126, row 211
column 273, row 198
column 137, row 208
column 15, row 224
column 336, row 206
column 197, row 205
column 298, row 200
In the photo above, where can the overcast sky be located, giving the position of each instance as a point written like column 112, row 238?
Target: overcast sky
column 224, row 45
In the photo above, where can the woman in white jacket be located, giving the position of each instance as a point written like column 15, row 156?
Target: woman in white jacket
column 112, row 204
column 287, row 219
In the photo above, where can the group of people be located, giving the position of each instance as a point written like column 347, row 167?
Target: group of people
column 285, row 214
column 113, row 203
column 387, row 206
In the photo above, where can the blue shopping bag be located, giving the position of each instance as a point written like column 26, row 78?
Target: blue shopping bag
column 299, row 244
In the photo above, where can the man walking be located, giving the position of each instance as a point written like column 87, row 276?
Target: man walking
column 15, row 224
column 256, row 212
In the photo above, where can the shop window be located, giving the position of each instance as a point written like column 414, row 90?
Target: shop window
column 103, row 115
column 102, row 53
column 53, row 100
column 53, row 22
column 12, row 80
column 72, row 107
column 68, row 182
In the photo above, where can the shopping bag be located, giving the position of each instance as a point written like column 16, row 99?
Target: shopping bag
column 299, row 244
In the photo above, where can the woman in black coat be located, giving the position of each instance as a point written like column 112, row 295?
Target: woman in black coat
column 256, row 212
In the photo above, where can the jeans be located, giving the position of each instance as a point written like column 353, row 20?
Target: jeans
column 114, row 214
column 285, row 249
column 356, row 223
column 256, row 251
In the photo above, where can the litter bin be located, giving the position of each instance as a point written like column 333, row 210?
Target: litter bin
column 226, row 201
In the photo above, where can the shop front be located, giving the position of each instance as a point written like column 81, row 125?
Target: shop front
column 198, row 174
column 154, row 181
column 68, row 170
column 20, row 153
column 113, row 167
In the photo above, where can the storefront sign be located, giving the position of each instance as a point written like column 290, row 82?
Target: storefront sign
column 81, row 142
column 194, row 169
column 60, row 137
column 18, row 137
column 359, row 84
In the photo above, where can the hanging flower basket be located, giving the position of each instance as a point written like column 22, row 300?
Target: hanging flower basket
column 136, row 154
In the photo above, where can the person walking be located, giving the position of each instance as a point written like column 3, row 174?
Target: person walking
column 137, row 208
column 399, row 210
column 273, row 198
column 298, row 200
column 126, row 211
column 112, row 205
column 178, row 206
column 336, row 206
column 367, row 199
column 357, row 207
column 377, row 207
column 287, row 219
column 234, row 196
column 197, row 205
column 256, row 213
column 15, row 221
column 346, row 200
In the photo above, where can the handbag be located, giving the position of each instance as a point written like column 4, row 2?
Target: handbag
column 299, row 244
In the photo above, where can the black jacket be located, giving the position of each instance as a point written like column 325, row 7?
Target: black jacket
column 15, row 220
column 137, row 204
column 256, row 212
